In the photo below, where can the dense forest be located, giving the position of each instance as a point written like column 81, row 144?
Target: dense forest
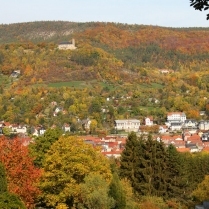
column 117, row 71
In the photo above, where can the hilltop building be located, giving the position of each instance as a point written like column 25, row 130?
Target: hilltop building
column 67, row 45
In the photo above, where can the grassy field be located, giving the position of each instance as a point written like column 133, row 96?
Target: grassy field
column 73, row 84
column 82, row 84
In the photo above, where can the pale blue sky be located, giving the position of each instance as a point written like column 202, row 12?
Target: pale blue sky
column 169, row 13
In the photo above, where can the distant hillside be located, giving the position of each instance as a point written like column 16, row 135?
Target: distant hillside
column 40, row 31
column 160, row 69
column 111, row 35
column 105, row 51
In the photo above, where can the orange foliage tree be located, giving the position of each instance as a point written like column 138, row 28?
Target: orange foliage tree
column 22, row 175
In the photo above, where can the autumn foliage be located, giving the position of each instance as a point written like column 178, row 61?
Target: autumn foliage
column 22, row 176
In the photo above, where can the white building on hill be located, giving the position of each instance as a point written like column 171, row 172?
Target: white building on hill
column 67, row 45
column 127, row 125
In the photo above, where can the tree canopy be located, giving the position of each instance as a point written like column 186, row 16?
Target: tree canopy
column 22, row 176
column 67, row 163
column 200, row 5
column 7, row 199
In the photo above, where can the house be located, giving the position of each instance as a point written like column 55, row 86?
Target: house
column 38, row 131
column 86, row 124
column 195, row 138
column 192, row 147
column 113, row 154
column 190, row 124
column 178, row 117
column 127, row 125
column 165, row 71
column 203, row 125
column 205, row 137
column 163, row 129
column 15, row 74
column 16, row 128
column 57, row 110
column 176, row 141
column 66, row 127
column 67, row 45
column 202, row 113
column 177, row 126
column 175, row 120
column 148, row 121
column 2, row 125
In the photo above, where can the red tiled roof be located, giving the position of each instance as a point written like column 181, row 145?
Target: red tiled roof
column 183, row 149
column 112, row 144
column 91, row 138
column 194, row 138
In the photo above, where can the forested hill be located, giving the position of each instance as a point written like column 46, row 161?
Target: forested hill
column 105, row 51
column 110, row 34
column 39, row 31
column 156, row 67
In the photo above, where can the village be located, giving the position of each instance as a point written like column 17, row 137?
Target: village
column 187, row 135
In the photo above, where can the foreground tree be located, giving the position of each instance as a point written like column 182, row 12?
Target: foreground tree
column 7, row 199
column 152, row 202
column 151, row 169
column 42, row 144
column 129, row 159
column 67, row 163
column 144, row 164
column 94, row 193
column 177, row 178
column 117, row 192
column 22, row 176
column 200, row 5
column 201, row 193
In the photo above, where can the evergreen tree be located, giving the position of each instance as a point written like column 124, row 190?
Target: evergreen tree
column 151, row 170
column 176, row 175
column 129, row 159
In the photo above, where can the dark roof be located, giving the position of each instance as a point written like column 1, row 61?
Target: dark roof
column 65, row 42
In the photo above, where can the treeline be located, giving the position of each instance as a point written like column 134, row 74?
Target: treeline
column 62, row 171
column 154, row 56
column 156, row 170
column 46, row 31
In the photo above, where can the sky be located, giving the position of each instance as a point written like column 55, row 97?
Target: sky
column 167, row 13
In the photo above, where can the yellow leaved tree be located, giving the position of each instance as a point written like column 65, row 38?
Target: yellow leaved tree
column 201, row 193
column 67, row 163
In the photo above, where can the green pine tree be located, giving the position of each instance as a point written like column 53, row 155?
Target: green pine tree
column 153, row 168
column 129, row 158
column 176, row 174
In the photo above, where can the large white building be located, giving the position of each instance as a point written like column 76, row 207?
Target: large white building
column 176, row 117
column 127, row 125
column 175, row 120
